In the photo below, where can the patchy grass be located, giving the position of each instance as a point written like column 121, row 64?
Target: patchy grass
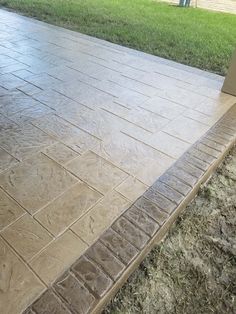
column 194, row 269
column 195, row 37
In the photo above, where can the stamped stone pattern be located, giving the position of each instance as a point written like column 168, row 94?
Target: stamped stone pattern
column 66, row 133
column 5, row 123
column 9, row 210
column 144, row 221
column 97, row 172
column 92, row 275
column 100, row 217
column 49, row 303
column 104, row 264
column 18, row 285
column 60, row 153
column 101, row 255
column 130, row 232
column 36, row 181
column 24, row 141
column 69, row 288
column 57, row 256
column 131, row 188
column 99, row 144
column 67, row 208
column 119, row 246
column 152, row 209
column 26, row 236
column 6, row 160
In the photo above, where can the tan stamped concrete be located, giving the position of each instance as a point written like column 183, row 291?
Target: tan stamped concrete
column 86, row 127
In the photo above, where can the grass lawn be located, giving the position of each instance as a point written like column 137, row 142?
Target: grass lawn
column 195, row 37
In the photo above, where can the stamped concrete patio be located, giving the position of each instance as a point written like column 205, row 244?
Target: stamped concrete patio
column 86, row 127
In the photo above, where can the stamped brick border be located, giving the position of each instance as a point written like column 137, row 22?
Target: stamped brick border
column 88, row 285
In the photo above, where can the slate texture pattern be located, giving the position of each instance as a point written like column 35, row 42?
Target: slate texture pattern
column 89, row 134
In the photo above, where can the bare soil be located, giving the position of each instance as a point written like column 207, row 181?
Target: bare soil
column 194, row 269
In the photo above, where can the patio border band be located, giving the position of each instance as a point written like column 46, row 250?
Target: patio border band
column 89, row 284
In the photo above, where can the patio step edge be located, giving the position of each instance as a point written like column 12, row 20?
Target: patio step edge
column 93, row 280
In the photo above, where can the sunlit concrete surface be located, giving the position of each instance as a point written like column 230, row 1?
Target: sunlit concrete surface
column 86, row 127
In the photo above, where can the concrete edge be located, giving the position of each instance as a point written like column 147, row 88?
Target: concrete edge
column 102, row 270
column 160, row 235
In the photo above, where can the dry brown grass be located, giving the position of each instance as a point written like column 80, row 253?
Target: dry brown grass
column 194, row 269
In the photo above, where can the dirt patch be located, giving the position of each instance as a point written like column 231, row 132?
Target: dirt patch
column 194, row 269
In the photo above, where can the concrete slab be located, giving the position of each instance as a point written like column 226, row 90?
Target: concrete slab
column 89, row 128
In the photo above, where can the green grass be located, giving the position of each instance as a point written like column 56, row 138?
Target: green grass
column 195, row 37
